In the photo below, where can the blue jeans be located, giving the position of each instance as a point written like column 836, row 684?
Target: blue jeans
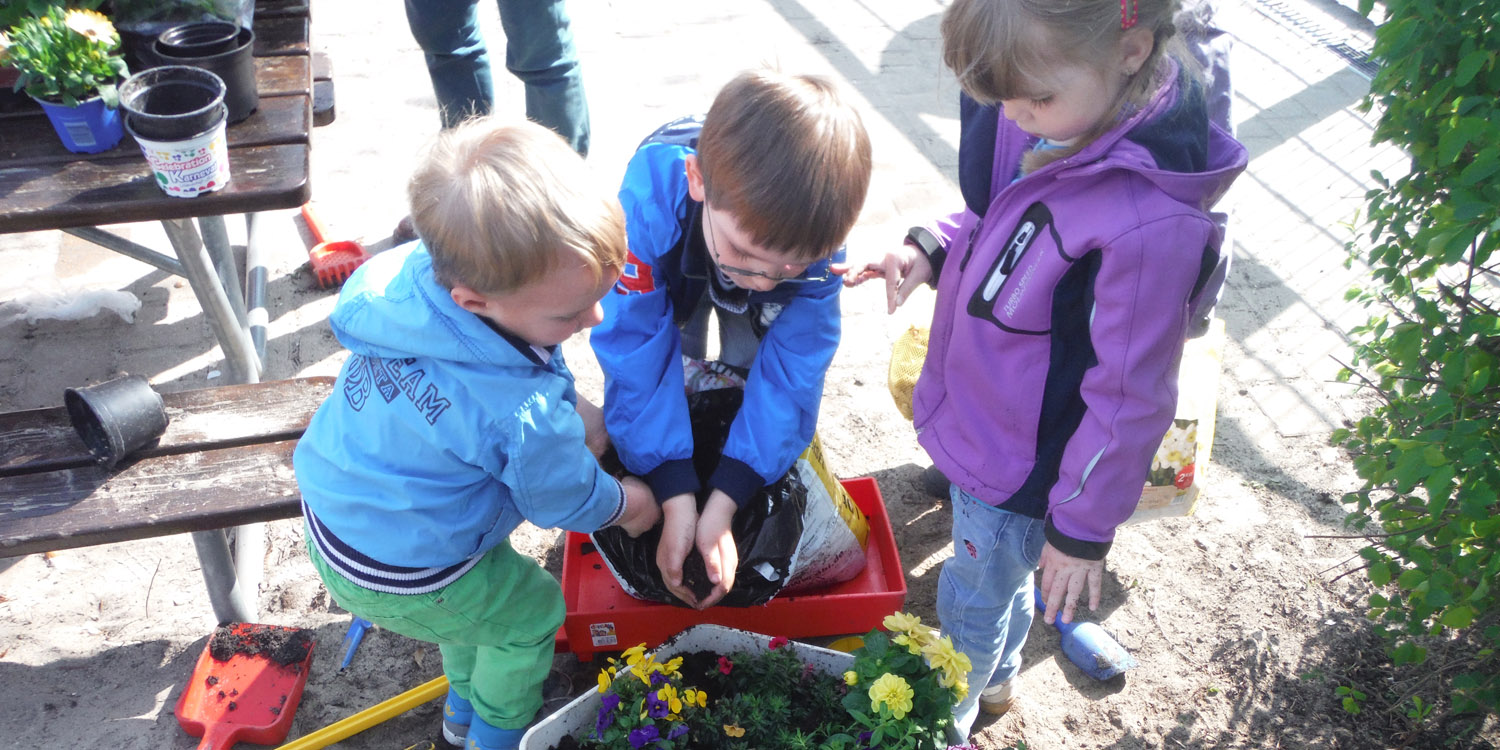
column 984, row 594
column 538, row 50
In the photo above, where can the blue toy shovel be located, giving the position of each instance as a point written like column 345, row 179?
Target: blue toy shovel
column 352, row 638
column 1089, row 646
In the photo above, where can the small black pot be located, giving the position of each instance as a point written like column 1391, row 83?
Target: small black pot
column 200, row 39
column 172, row 102
column 117, row 417
column 236, row 66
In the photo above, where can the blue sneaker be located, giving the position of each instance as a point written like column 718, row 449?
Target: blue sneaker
column 457, row 715
column 482, row 736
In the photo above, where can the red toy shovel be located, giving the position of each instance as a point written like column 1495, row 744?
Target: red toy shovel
column 246, row 686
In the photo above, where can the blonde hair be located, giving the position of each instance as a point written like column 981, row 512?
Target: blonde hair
column 789, row 159
column 499, row 203
column 998, row 48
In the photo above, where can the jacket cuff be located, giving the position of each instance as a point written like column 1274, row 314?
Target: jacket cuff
column 931, row 245
column 1078, row 548
column 736, row 479
column 673, row 478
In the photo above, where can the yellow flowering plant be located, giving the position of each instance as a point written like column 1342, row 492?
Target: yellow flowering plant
column 65, row 56
column 645, row 706
column 902, row 688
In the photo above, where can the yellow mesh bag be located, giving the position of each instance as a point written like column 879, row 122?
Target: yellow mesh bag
column 907, row 356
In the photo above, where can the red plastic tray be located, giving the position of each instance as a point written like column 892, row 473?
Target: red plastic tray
column 602, row 617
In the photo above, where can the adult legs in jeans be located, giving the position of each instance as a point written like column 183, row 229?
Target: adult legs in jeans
column 984, row 595
column 539, row 51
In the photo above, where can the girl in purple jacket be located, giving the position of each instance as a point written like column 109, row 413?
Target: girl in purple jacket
column 1088, row 166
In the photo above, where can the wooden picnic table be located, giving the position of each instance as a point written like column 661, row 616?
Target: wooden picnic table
column 43, row 186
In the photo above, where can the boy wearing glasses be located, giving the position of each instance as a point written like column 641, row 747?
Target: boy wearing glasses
column 737, row 213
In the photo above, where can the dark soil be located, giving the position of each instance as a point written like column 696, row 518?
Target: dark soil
column 284, row 646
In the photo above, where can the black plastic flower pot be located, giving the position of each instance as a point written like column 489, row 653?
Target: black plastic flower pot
column 201, row 39
column 172, row 102
column 117, row 417
column 235, row 66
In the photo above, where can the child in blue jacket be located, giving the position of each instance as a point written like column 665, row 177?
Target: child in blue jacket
column 455, row 418
column 737, row 214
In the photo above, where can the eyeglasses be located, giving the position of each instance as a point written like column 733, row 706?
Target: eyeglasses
column 713, row 249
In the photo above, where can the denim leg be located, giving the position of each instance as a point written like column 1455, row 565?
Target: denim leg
column 984, row 594
column 457, row 59
column 539, row 50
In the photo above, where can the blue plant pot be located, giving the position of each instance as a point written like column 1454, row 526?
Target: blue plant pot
column 87, row 128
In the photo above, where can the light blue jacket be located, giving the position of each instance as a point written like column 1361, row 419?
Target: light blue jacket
column 441, row 434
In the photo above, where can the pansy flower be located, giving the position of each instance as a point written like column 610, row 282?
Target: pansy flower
column 644, row 736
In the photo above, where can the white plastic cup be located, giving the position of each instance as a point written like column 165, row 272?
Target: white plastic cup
column 189, row 167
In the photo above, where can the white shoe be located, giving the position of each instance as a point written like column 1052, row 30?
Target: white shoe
column 998, row 699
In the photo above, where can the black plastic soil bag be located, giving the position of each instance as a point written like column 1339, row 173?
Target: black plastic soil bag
column 766, row 530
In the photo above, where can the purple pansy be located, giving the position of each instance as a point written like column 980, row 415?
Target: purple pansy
column 656, row 708
column 644, row 736
column 677, row 731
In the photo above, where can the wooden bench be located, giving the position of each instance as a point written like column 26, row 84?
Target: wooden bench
column 224, row 460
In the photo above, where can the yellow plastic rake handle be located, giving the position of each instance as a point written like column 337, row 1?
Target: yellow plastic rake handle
column 371, row 716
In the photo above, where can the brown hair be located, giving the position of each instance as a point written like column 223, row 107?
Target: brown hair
column 789, row 159
column 499, row 203
column 997, row 47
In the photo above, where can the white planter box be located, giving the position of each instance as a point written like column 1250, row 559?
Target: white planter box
column 578, row 717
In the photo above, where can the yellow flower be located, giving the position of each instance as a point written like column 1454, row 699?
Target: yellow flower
column 668, row 695
column 693, row 697
column 901, row 622
column 894, row 693
column 733, row 731
column 604, row 680
column 672, row 665
column 910, row 642
column 633, row 654
column 850, row 678
column 91, row 24
column 941, row 655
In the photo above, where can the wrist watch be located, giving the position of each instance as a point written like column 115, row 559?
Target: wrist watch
column 923, row 239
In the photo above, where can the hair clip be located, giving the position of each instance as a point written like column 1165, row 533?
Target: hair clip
column 1130, row 12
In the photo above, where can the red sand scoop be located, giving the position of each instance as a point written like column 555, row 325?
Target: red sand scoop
column 332, row 260
column 246, row 686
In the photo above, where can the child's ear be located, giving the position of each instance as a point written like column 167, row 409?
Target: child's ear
column 470, row 300
column 694, row 178
column 1136, row 45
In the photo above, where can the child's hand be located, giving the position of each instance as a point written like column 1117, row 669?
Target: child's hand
column 716, row 544
column 1063, row 580
column 903, row 269
column 678, row 529
column 641, row 510
column 594, row 434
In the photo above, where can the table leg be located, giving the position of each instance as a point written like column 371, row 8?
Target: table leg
column 255, row 285
column 216, row 241
column 239, row 352
column 233, row 599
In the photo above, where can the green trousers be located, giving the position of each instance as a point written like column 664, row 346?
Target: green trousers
column 495, row 627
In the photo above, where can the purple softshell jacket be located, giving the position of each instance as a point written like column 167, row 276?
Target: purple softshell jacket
column 1051, row 373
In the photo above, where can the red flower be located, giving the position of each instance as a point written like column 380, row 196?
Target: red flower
column 778, row 642
column 725, row 665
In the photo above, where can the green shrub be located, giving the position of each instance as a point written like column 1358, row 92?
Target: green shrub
column 1429, row 454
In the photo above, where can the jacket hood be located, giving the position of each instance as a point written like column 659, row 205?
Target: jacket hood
column 1171, row 143
column 392, row 307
